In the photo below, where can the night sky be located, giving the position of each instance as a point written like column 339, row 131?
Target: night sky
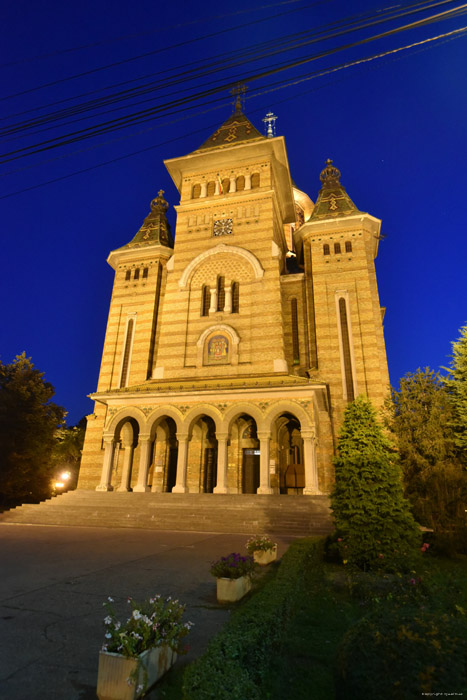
column 394, row 126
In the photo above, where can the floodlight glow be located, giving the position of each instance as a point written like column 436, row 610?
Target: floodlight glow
column 65, row 476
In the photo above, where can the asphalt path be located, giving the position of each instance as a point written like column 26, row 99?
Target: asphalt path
column 54, row 581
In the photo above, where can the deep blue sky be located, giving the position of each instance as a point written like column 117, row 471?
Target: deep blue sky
column 395, row 127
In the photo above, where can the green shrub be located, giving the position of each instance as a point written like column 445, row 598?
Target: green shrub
column 238, row 659
column 400, row 653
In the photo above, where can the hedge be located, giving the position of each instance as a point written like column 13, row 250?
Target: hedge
column 239, row 658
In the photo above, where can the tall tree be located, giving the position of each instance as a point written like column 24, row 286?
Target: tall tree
column 420, row 416
column 457, row 387
column 372, row 517
column 66, row 453
column 28, row 423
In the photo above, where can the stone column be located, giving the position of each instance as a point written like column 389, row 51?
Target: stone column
column 127, row 462
column 264, row 478
column 204, row 189
column 311, row 465
column 233, row 184
column 222, row 463
column 248, row 181
column 182, row 461
column 141, row 486
column 106, row 475
column 213, row 307
column 217, row 189
column 228, row 298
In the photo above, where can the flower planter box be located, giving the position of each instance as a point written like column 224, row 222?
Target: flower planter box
column 265, row 556
column 231, row 589
column 115, row 669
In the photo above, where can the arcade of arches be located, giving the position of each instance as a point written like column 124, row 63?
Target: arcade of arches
column 242, row 452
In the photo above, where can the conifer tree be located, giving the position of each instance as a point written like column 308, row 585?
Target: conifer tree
column 373, row 520
column 457, row 387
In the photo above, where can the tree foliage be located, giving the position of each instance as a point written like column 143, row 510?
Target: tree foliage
column 457, row 388
column 372, row 517
column 66, row 453
column 28, row 423
column 421, row 417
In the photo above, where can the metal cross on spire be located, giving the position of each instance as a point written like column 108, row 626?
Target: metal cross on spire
column 238, row 92
column 270, row 124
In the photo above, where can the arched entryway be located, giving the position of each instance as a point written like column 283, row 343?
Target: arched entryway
column 163, row 469
column 202, row 454
column 290, row 454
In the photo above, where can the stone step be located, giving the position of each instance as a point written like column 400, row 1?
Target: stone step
column 243, row 513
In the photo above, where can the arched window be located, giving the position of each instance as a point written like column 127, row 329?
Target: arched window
column 346, row 349
column 220, row 293
column 205, row 300
column 235, row 297
column 136, row 275
column 295, row 339
column 126, row 353
column 337, row 248
column 196, row 192
column 225, row 185
column 255, row 180
column 211, row 188
column 326, row 249
column 128, row 275
column 240, row 183
column 348, row 246
column 145, row 273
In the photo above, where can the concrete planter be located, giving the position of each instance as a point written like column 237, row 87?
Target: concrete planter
column 231, row 589
column 114, row 670
column 265, row 556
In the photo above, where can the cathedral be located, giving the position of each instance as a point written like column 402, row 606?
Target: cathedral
column 233, row 347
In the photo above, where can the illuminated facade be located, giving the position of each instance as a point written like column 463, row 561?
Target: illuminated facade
column 230, row 356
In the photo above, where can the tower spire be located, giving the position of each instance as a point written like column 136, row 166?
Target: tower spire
column 238, row 92
column 270, row 124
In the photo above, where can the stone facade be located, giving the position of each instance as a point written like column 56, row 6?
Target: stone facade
column 230, row 355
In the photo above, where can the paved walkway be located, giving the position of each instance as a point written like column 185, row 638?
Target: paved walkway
column 54, row 580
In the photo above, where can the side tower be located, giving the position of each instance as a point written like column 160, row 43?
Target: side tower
column 338, row 245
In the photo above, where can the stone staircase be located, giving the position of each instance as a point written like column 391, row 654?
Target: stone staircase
column 249, row 514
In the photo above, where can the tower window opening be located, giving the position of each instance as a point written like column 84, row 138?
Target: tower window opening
column 128, row 275
column 326, row 250
column 255, row 181
column 126, row 353
column 240, row 183
column 295, row 338
column 211, row 188
column 346, row 350
column 196, row 192
column 145, row 273
column 337, row 248
column 136, row 275
column 348, row 246
column 205, row 300
column 226, row 185
column 220, row 293
column 235, row 297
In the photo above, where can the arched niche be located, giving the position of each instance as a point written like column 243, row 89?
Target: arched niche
column 188, row 272
column 217, row 346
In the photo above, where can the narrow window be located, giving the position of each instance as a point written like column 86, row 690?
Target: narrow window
column 295, row 345
column 126, row 353
column 128, row 275
column 196, row 192
column 325, row 249
column 205, row 300
column 235, row 297
column 145, row 273
column 255, row 180
column 240, row 183
column 220, row 293
column 348, row 246
column 337, row 248
column 346, row 350
column 136, row 275
column 211, row 188
column 226, row 185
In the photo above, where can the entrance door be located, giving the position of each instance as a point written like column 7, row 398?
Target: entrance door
column 172, row 468
column 250, row 476
column 210, row 469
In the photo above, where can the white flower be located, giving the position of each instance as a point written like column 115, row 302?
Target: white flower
column 111, row 600
column 136, row 615
column 117, row 626
column 108, row 635
column 107, row 620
